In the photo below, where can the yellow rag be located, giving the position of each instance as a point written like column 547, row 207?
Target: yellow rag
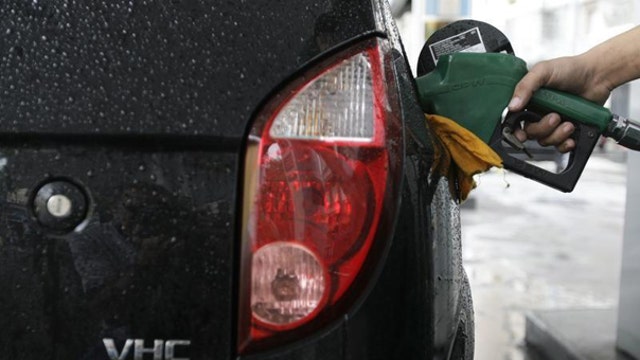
column 470, row 155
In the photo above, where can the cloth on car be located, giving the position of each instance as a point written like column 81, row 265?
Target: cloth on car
column 462, row 155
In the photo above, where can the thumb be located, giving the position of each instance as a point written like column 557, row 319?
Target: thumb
column 525, row 88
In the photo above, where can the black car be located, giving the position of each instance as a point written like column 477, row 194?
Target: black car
column 194, row 179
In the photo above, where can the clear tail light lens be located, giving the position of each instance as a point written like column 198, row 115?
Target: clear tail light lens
column 336, row 106
column 321, row 169
column 288, row 283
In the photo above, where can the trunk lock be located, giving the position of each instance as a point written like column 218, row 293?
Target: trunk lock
column 60, row 205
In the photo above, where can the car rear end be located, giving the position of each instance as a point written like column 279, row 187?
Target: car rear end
column 195, row 180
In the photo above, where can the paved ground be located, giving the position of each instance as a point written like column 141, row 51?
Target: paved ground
column 528, row 247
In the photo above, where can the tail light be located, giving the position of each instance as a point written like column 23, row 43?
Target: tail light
column 321, row 177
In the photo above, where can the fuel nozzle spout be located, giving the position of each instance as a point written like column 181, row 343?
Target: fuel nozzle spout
column 626, row 132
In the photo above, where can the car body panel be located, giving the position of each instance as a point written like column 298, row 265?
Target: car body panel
column 191, row 68
column 145, row 106
column 153, row 262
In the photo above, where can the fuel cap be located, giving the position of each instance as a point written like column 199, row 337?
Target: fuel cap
column 60, row 205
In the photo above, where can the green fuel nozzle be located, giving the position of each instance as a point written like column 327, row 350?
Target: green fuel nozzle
column 474, row 90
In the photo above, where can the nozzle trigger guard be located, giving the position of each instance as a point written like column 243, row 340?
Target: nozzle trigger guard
column 585, row 136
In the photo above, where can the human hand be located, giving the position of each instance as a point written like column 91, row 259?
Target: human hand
column 571, row 74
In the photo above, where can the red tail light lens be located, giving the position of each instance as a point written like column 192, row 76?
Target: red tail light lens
column 320, row 164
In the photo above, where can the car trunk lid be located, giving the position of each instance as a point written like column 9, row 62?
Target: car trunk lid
column 142, row 108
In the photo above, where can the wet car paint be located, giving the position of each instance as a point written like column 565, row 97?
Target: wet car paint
column 153, row 258
column 144, row 106
column 178, row 68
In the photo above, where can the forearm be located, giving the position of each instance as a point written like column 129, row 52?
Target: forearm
column 617, row 60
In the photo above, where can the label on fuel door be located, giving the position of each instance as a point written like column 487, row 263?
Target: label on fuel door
column 468, row 41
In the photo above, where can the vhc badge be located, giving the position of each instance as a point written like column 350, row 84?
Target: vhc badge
column 161, row 349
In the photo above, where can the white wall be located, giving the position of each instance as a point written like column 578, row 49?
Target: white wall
column 537, row 29
column 628, row 338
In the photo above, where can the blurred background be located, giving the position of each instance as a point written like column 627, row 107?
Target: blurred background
column 538, row 29
column 534, row 255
